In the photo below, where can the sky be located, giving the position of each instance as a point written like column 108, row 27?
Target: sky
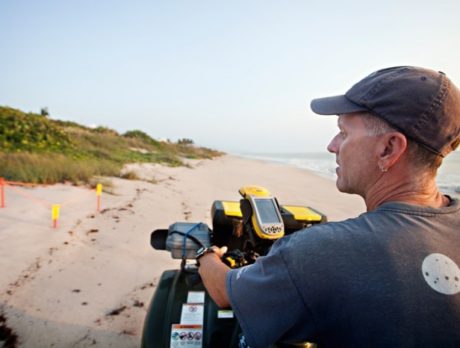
column 237, row 75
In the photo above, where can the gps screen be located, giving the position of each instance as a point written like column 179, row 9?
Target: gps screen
column 267, row 211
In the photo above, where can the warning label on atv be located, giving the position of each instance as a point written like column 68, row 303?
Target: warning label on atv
column 186, row 336
column 192, row 314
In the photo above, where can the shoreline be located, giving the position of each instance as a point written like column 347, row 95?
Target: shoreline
column 90, row 281
column 323, row 164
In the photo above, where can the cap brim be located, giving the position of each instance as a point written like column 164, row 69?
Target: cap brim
column 335, row 105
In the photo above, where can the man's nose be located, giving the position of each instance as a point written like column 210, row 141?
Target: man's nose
column 332, row 147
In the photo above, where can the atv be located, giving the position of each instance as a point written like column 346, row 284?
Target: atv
column 181, row 312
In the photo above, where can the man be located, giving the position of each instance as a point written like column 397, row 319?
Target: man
column 390, row 277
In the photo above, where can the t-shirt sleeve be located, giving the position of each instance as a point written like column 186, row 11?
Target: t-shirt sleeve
column 266, row 302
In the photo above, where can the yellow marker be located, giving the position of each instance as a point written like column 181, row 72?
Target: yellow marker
column 98, row 189
column 55, row 214
column 98, row 195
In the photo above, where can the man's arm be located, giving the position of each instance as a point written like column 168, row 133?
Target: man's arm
column 213, row 272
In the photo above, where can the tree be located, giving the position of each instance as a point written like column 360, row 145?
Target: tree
column 185, row 141
column 44, row 112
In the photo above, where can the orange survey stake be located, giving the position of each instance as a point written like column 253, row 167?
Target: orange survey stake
column 2, row 192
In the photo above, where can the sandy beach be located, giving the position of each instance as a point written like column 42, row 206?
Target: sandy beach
column 89, row 281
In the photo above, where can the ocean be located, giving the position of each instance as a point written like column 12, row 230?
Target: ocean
column 323, row 163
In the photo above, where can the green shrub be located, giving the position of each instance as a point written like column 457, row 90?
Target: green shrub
column 144, row 137
column 185, row 141
column 30, row 132
column 34, row 148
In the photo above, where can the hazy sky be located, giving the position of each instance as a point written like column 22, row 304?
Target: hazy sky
column 236, row 75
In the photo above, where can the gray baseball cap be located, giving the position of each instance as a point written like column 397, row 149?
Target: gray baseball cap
column 422, row 104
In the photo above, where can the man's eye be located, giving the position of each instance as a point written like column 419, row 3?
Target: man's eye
column 342, row 134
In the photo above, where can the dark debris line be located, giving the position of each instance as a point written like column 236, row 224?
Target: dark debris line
column 7, row 336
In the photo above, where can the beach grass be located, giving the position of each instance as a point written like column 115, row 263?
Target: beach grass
column 45, row 169
column 36, row 149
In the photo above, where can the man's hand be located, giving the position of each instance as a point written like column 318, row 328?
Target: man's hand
column 213, row 272
column 219, row 251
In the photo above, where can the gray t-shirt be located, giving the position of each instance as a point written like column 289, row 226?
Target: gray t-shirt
column 388, row 278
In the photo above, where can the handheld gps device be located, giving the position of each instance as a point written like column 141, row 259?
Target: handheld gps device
column 266, row 217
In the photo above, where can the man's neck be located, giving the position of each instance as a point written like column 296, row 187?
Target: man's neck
column 393, row 188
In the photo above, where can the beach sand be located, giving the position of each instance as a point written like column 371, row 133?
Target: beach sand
column 89, row 281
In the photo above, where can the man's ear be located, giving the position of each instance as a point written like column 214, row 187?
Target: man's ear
column 392, row 146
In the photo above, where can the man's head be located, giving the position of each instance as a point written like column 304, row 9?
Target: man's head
column 367, row 147
column 395, row 113
column 422, row 104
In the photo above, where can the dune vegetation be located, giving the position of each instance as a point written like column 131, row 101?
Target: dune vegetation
column 37, row 149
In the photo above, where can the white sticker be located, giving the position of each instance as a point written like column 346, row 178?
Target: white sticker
column 192, row 314
column 225, row 314
column 195, row 297
column 186, row 336
column 441, row 273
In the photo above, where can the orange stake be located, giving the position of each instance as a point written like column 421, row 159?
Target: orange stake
column 2, row 192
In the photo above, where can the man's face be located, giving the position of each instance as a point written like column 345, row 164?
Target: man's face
column 355, row 152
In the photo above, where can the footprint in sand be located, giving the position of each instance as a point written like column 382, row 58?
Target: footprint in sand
column 186, row 211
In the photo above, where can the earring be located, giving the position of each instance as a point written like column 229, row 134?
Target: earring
column 382, row 169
